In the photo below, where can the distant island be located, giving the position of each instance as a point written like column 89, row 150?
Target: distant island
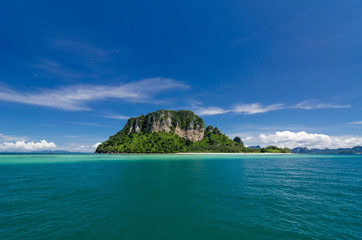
column 167, row 131
column 304, row 150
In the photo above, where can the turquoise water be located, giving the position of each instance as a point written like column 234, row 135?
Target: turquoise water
column 88, row 196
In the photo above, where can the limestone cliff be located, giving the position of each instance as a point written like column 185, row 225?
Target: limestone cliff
column 183, row 123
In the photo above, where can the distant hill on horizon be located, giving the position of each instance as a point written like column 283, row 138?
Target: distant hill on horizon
column 353, row 150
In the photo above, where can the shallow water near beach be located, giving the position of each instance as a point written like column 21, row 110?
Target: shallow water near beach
column 90, row 196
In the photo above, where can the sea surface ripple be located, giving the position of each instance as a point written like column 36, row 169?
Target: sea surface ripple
column 89, row 196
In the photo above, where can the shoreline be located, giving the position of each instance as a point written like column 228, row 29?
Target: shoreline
column 197, row 153
column 229, row 153
column 181, row 153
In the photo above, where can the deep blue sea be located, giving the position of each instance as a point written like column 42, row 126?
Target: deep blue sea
column 89, row 196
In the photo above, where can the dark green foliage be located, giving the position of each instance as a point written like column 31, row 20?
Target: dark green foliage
column 238, row 140
column 285, row 150
column 272, row 149
column 216, row 131
column 216, row 143
column 275, row 149
column 209, row 128
column 159, row 142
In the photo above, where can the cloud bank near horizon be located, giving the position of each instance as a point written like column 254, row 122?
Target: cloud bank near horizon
column 310, row 140
column 20, row 146
column 43, row 145
column 10, row 143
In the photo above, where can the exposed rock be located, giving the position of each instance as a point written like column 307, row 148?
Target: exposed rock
column 183, row 123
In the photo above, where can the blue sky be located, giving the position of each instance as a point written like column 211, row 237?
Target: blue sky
column 286, row 72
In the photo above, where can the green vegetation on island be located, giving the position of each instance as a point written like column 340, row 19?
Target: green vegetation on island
column 174, row 132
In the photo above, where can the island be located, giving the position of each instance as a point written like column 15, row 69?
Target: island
column 353, row 151
column 168, row 131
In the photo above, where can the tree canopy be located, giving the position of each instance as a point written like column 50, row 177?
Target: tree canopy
column 238, row 140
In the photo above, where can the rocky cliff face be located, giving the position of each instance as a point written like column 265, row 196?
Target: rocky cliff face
column 183, row 123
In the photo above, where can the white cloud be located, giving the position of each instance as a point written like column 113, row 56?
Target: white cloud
column 309, row 140
column 96, row 145
column 20, row 144
column 210, row 111
column 75, row 147
column 356, row 122
column 254, row 108
column 246, row 109
column 116, row 116
column 27, row 146
column 76, row 97
column 310, row 105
